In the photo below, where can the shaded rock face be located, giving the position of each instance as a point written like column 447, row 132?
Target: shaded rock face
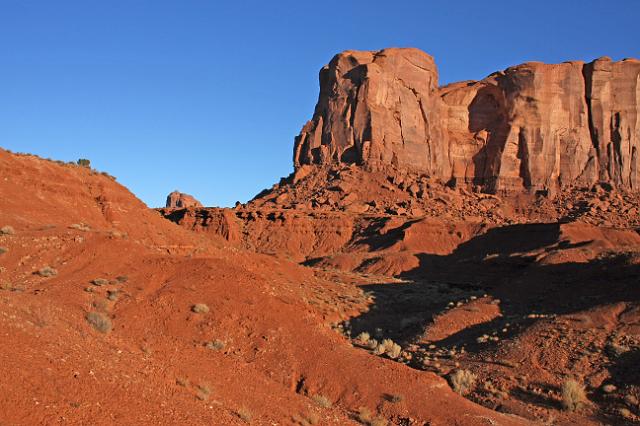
column 534, row 126
column 179, row 200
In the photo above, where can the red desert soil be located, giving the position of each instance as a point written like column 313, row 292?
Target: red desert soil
column 481, row 236
column 261, row 353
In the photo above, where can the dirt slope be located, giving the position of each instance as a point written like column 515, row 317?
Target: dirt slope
column 265, row 347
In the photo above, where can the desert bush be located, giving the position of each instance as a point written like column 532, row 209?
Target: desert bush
column 203, row 392
column 244, row 414
column 122, row 279
column 395, row 398
column 216, row 345
column 80, row 227
column 200, row 308
column 462, row 381
column 112, row 295
column 7, row 230
column 99, row 282
column 83, row 162
column 309, row 419
column 366, row 417
column 47, row 271
column 3, row 250
column 182, row 381
column 388, row 347
column 363, row 337
column 322, row 401
column 573, row 395
column 99, row 321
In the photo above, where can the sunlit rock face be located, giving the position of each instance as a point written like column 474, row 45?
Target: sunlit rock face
column 534, row 126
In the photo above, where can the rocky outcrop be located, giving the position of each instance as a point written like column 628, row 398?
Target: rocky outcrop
column 534, row 126
column 179, row 200
column 376, row 109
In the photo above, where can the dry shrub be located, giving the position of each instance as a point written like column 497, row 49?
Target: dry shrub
column 462, row 381
column 215, row 345
column 309, row 419
column 99, row 321
column 322, row 401
column 7, row 230
column 203, row 392
column 388, row 347
column 80, row 227
column 47, row 271
column 366, row 417
column 99, row 282
column 244, row 414
column 3, row 250
column 200, row 308
column 363, row 337
column 573, row 395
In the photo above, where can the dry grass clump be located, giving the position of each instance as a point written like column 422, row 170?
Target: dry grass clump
column 462, row 381
column 309, row 419
column 112, row 295
column 573, row 395
column 245, row 414
column 322, row 401
column 99, row 282
column 122, row 279
column 80, row 227
column 395, row 398
column 3, row 250
column 182, row 381
column 388, row 347
column 200, row 308
column 363, row 337
column 203, row 392
column 99, row 321
column 7, row 230
column 47, row 271
column 366, row 417
column 216, row 345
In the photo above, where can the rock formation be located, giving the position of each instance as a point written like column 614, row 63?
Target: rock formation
column 179, row 200
column 534, row 126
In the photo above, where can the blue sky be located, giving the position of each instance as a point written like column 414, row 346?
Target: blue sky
column 207, row 96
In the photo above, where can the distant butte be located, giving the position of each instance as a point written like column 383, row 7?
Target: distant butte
column 179, row 200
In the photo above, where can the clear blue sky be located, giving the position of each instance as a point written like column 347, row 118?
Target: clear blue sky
column 207, row 96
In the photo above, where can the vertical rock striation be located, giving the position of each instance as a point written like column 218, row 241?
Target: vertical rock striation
column 534, row 126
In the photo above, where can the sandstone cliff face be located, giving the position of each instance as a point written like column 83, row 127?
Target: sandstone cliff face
column 179, row 200
column 376, row 109
column 534, row 126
